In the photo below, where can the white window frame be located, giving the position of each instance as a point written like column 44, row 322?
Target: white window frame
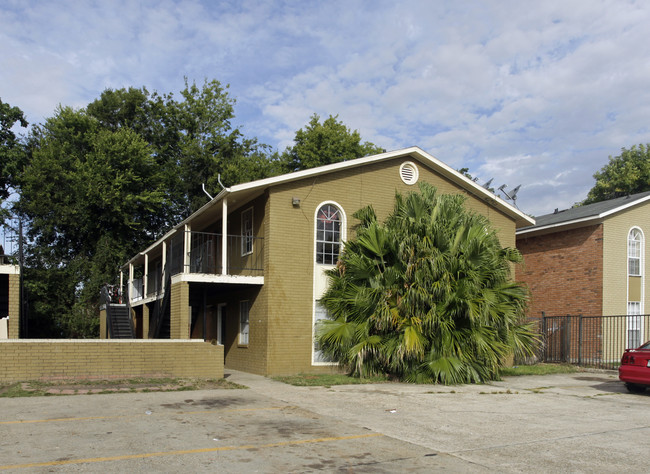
column 247, row 232
column 634, row 325
column 221, row 316
column 317, row 357
column 323, row 241
column 244, row 323
column 320, row 279
column 635, row 268
column 634, row 252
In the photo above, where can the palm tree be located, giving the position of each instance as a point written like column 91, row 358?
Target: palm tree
column 426, row 296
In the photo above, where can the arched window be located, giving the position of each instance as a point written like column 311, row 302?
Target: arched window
column 634, row 287
column 634, row 245
column 328, row 234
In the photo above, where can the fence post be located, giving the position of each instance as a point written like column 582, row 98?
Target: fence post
column 544, row 338
column 580, row 339
column 566, row 338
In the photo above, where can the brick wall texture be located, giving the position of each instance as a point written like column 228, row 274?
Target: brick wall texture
column 289, row 272
column 179, row 308
column 564, row 271
column 615, row 279
column 10, row 282
column 14, row 306
column 281, row 310
column 48, row 359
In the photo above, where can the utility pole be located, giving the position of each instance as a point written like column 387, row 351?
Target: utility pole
column 21, row 263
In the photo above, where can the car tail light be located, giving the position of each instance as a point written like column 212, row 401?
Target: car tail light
column 626, row 359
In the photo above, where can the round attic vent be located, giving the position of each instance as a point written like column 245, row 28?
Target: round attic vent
column 408, row 172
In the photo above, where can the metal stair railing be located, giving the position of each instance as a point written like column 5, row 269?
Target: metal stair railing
column 118, row 320
column 160, row 311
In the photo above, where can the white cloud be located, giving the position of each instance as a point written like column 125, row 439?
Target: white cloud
column 537, row 93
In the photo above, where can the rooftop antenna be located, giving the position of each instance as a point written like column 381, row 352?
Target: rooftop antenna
column 204, row 190
column 512, row 195
column 220, row 183
column 488, row 183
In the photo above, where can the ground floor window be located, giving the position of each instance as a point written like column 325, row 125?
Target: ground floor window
column 243, row 323
column 634, row 323
column 319, row 313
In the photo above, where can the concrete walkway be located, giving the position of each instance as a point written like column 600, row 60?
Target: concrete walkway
column 582, row 422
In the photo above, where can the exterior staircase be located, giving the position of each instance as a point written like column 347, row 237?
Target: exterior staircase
column 119, row 326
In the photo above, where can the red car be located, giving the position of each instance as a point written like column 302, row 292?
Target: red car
column 635, row 368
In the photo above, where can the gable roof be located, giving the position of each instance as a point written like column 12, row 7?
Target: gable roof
column 256, row 187
column 584, row 215
column 247, row 191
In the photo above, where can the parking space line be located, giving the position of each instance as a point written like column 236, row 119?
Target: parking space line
column 117, row 417
column 188, row 451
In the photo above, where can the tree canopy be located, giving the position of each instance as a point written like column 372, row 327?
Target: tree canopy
column 11, row 150
column 192, row 139
column 324, row 143
column 425, row 296
column 100, row 183
column 627, row 173
column 92, row 196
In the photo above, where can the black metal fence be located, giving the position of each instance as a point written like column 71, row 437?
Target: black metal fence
column 591, row 341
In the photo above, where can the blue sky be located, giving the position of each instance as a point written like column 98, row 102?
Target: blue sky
column 525, row 92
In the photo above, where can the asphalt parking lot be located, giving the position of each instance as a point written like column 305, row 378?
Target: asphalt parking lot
column 583, row 422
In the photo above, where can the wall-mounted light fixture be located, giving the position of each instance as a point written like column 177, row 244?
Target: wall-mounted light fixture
column 295, row 201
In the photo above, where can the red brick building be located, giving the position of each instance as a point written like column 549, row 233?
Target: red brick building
column 590, row 261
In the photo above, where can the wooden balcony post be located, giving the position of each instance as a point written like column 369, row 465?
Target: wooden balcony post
column 162, row 270
column 145, row 275
column 224, row 237
column 187, row 243
column 130, row 290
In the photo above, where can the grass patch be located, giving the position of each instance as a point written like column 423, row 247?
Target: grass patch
column 539, row 369
column 37, row 388
column 326, row 380
column 16, row 390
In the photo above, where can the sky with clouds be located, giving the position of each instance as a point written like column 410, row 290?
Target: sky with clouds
column 525, row 92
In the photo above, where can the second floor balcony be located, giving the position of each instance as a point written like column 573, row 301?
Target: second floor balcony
column 197, row 256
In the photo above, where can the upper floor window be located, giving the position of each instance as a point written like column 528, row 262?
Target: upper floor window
column 247, row 231
column 634, row 246
column 328, row 234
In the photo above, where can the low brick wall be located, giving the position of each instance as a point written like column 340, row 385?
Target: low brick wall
column 56, row 359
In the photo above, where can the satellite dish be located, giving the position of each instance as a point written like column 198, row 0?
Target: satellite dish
column 512, row 195
column 489, row 182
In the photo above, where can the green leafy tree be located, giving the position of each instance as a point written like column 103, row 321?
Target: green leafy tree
column 628, row 173
column 11, row 150
column 192, row 139
column 426, row 296
column 92, row 197
column 101, row 182
column 324, row 143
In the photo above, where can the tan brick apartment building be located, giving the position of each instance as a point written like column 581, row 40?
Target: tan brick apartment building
column 256, row 291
